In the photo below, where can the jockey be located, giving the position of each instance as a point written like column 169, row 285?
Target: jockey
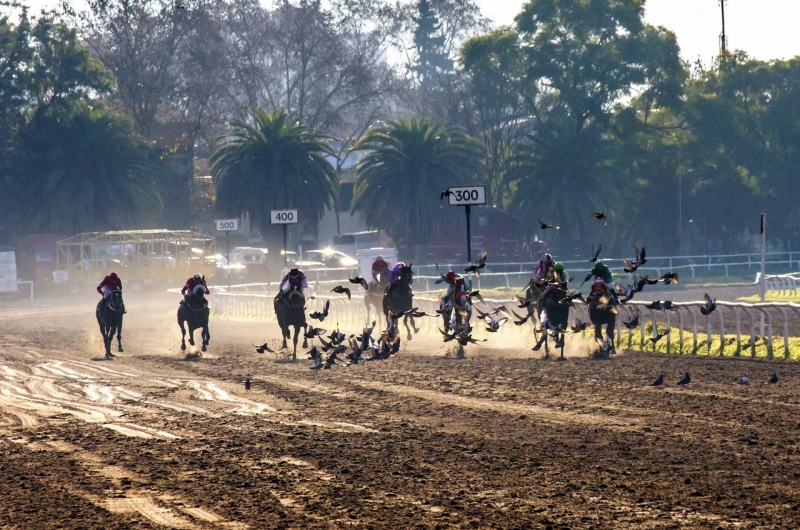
column 394, row 278
column 539, row 275
column 380, row 267
column 108, row 284
column 294, row 281
column 191, row 283
column 456, row 289
column 602, row 273
column 555, row 275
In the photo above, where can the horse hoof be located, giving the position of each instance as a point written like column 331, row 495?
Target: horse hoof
column 120, row 350
column 204, row 348
column 183, row 346
column 305, row 344
column 408, row 337
column 191, row 342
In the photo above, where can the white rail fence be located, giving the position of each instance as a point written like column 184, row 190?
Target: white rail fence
column 784, row 284
column 352, row 315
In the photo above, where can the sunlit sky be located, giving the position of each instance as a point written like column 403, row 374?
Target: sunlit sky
column 765, row 29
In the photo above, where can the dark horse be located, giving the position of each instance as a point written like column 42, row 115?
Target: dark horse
column 553, row 314
column 194, row 312
column 600, row 314
column 109, row 317
column 290, row 309
column 398, row 299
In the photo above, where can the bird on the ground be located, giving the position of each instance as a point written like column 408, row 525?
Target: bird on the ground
column 247, row 383
column 494, row 325
column 711, row 305
column 596, row 254
column 312, row 332
column 658, row 337
column 656, row 305
column 341, row 290
column 321, row 316
column 659, row 381
column 545, row 226
column 686, row 379
column 520, row 320
column 445, row 193
column 670, row 306
column 641, row 259
column 633, row 319
column 670, row 277
column 579, row 326
column 263, row 348
column 476, row 268
column 600, row 216
column 360, row 281
column 774, row 378
column 744, row 380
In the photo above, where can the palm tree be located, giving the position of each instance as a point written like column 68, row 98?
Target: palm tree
column 273, row 164
column 82, row 169
column 408, row 165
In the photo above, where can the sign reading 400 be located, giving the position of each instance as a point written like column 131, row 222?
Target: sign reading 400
column 464, row 195
column 283, row 217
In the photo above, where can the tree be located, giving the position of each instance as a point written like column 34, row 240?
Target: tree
column 407, row 165
column 82, row 169
column 429, row 44
column 275, row 163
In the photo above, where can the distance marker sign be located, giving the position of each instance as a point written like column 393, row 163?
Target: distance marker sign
column 283, row 217
column 227, row 225
column 467, row 195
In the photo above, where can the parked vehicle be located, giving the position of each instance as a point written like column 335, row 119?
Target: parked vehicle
column 254, row 260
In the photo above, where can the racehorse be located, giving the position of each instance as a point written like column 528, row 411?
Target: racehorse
column 109, row 317
column 290, row 309
column 399, row 300
column 553, row 315
column 600, row 314
column 194, row 312
column 373, row 299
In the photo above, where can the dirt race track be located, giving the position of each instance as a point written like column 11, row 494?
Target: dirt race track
column 497, row 440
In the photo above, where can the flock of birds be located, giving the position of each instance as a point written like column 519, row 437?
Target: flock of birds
column 744, row 380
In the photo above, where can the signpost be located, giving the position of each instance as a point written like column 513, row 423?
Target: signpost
column 228, row 226
column 763, row 287
column 467, row 196
column 283, row 217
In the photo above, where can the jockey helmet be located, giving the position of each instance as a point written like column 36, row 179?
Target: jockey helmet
column 558, row 267
column 451, row 276
column 113, row 275
column 378, row 258
column 294, row 273
column 198, row 277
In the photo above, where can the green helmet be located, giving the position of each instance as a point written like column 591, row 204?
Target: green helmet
column 558, row 267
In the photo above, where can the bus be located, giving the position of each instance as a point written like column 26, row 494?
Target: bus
column 351, row 243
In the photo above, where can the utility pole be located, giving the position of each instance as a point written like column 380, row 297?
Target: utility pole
column 723, row 38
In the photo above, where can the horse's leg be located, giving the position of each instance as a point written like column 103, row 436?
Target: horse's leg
column 103, row 333
column 414, row 325
column 305, row 339
column 610, row 329
column 183, row 334
column 110, row 331
column 191, row 333
column 119, row 337
column 204, row 336
column 408, row 329
column 294, row 342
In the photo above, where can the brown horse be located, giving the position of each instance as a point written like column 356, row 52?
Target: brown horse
column 194, row 312
column 399, row 299
column 290, row 310
column 602, row 314
column 109, row 317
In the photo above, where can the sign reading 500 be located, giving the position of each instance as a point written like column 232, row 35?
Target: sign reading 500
column 464, row 195
column 283, row 217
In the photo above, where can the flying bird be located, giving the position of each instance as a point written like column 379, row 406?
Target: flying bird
column 743, row 381
column 633, row 319
column 686, row 379
column 467, row 339
column 321, row 316
column 659, row 381
column 656, row 305
column 670, row 277
column 629, row 267
column 670, row 306
column 600, row 216
column 641, row 258
column 711, row 305
column 596, row 254
column 360, row 281
column 658, row 337
column 520, row 320
column 263, row 348
column 475, row 294
column 626, row 293
column 447, row 336
column 641, row 282
column 525, row 302
column 341, row 290
column 774, row 378
column 477, row 267
column 579, row 326
column 313, row 332
column 445, row 193
column 545, row 226
column 494, row 325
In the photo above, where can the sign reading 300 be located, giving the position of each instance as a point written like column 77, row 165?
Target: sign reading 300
column 465, row 195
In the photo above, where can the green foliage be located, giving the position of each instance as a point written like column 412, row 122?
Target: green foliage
column 407, row 165
column 81, row 169
column 429, row 44
column 274, row 163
